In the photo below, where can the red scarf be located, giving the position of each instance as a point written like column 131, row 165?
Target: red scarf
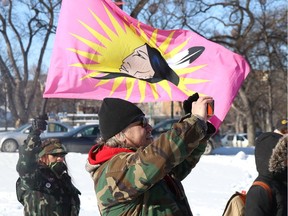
column 100, row 154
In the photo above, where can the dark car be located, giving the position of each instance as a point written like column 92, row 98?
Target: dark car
column 165, row 125
column 80, row 139
column 11, row 140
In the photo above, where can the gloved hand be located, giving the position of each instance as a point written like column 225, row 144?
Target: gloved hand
column 210, row 131
column 187, row 104
column 58, row 168
column 39, row 123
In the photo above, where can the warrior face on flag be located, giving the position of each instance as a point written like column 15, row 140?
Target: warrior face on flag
column 146, row 63
column 137, row 64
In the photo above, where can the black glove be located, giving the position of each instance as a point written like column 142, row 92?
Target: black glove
column 187, row 104
column 39, row 123
column 58, row 168
column 210, row 131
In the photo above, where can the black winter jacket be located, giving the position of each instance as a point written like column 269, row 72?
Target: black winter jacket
column 258, row 202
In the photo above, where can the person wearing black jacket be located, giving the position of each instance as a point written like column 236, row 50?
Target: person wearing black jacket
column 258, row 201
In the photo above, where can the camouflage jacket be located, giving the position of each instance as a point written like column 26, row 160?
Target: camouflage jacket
column 148, row 181
column 39, row 190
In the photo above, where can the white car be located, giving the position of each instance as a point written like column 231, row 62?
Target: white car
column 235, row 140
column 10, row 140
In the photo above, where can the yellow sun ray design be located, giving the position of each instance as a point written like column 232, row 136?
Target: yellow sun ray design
column 129, row 86
column 165, row 85
column 184, row 71
column 104, row 59
column 102, row 82
column 154, row 91
column 142, row 87
column 116, row 85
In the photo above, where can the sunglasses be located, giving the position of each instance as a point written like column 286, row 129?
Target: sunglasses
column 58, row 155
column 142, row 121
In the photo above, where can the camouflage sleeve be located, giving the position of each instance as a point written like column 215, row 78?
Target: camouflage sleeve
column 28, row 155
column 183, row 169
column 134, row 173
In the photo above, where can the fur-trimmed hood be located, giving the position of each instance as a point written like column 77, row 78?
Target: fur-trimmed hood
column 278, row 160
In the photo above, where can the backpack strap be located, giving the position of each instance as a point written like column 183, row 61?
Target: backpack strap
column 235, row 205
column 265, row 186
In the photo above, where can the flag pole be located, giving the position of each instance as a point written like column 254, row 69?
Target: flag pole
column 44, row 106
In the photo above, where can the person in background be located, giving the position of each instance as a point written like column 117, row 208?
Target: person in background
column 272, row 170
column 44, row 187
column 134, row 175
column 278, row 168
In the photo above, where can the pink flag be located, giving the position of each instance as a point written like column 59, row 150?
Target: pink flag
column 100, row 52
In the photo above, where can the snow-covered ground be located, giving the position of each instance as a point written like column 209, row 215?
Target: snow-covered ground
column 208, row 187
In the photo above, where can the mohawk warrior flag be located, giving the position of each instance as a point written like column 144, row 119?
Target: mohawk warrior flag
column 100, row 51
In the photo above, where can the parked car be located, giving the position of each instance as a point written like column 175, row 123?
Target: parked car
column 235, row 140
column 80, row 139
column 165, row 125
column 10, row 140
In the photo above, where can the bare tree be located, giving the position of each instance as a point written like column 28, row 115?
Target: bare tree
column 253, row 29
column 25, row 29
column 258, row 32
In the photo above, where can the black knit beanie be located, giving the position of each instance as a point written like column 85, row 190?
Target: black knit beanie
column 115, row 115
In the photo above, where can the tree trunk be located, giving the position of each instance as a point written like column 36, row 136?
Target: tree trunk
column 249, row 117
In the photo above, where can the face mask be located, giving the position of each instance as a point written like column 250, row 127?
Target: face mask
column 58, row 168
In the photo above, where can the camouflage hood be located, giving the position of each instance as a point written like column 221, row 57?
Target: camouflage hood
column 99, row 154
column 52, row 146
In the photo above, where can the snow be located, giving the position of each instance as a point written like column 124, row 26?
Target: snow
column 210, row 184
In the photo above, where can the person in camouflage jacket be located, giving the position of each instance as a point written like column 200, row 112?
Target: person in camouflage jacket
column 134, row 175
column 44, row 187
